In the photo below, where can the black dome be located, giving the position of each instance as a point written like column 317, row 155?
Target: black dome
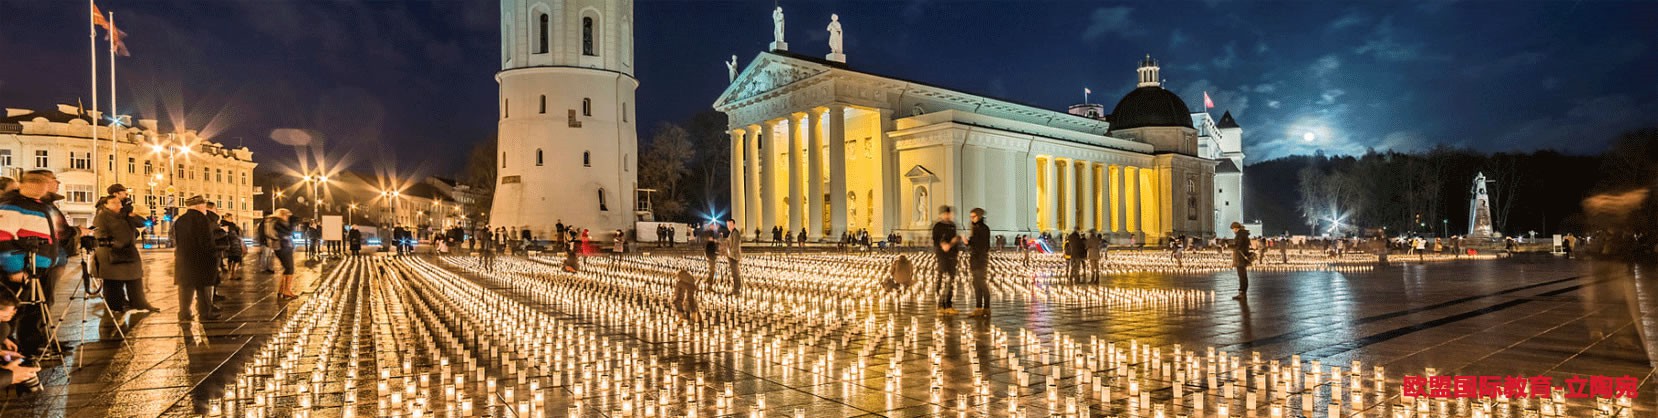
column 1150, row 106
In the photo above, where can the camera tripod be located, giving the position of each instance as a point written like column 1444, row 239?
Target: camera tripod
column 36, row 295
column 91, row 286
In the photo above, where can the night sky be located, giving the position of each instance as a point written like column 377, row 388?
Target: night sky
column 415, row 79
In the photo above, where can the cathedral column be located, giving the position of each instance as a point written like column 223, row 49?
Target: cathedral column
column 1051, row 176
column 793, row 148
column 1114, row 181
column 1131, row 199
column 768, row 177
column 738, row 197
column 1089, row 221
column 837, row 167
column 751, row 193
column 814, row 175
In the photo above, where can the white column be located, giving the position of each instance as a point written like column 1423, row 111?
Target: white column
column 794, row 173
column 1068, row 172
column 751, row 193
column 738, row 198
column 837, row 167
column 1114, row 177
column 1051, row 212
column 814, row 175
column 768, row 177
column 1088, row 217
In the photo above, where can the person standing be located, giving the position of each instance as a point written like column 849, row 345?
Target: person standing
column 1095, row 248
column 280, row 234
column 944, row 242
column 32, row 224
column 355, row 239
column 116, row 258
column 1240, row 258
column 235, row 252
column 711, row 249
column 1076, row 251
column 978, row 262
column 195, row 266
column 734, row 255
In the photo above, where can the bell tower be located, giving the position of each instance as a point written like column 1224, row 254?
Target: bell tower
column 566, row 136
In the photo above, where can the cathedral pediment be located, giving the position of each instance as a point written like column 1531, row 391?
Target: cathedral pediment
column 768, row 72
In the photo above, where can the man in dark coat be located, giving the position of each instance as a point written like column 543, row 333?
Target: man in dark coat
column 1240, row 258
column 1096, row 248
column 978, row 262
column 1076, row 251
column 944, row 242
column 195, row 266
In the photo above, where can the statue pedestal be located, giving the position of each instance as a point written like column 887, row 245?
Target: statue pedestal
column 836, row 57
column 779, row 46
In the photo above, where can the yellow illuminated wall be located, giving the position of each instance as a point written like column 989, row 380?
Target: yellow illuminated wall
column 1114, row 179
column 1150, row 204
column 1042, row 194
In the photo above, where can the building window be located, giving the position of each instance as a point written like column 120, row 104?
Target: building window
column 206, row 174
column 43, row 158
column 506, row 108
column 624, row 111
column 587, row 36
column 5, row 157
column 219, row 175
column 79, row 193
column 543, row 104
column 244, row 178
column 538, row 157
column 132, row 165
column 80, row 163
column 178, row 172
column 586, row 106
column 112, row 162
column 586, row 159
column 147, row 169
column 503, row 160
column 602, row 206
column 542, row 29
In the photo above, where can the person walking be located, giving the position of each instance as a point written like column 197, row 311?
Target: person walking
column 944, row 242
column 236, row 250
column 116, row 259
column 978, row 262
column 195, row 266
column 734, row 254
column 280, row 234
column 1240, row 258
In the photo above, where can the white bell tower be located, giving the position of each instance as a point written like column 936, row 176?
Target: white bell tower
column 567, row 140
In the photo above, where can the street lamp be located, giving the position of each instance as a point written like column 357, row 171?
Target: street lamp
column 349, row 211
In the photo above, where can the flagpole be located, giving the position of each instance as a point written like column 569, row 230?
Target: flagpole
column 114, row 143
column 92, row 41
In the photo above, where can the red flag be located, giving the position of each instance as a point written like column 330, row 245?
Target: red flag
column 1207, row 102
column 98, row 17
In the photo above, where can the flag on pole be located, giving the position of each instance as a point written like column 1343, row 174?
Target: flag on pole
column 98, row 17
column 1207, row 102
column 117, row 39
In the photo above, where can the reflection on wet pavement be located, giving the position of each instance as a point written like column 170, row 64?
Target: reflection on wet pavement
column 814, row 335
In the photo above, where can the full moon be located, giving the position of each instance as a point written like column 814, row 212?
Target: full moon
column 1309, row 137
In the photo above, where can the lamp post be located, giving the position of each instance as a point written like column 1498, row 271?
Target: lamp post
column 349, row 211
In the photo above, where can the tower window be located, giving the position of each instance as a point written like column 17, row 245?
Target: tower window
column 624, row 111
column 506, row 108
column 538, row 157
column 541, row 41
column 586, row 159
column 503, row 160
column 587, row 36
column 543, row 104
column 586, row 106
column 602, row 206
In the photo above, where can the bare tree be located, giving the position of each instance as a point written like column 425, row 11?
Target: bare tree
column 664, row 166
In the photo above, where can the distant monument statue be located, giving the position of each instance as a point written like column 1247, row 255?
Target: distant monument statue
column 731, row 70
column 836, row 51
column 1479, row 209
column 777, row 43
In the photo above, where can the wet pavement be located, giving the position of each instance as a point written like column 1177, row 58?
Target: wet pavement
column 1527, row 316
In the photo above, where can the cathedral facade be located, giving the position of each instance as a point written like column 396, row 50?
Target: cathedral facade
column 819, row 146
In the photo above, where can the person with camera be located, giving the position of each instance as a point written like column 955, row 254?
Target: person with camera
column 195, row 260
column 116, row 258
column 35, row 243
column 12, row 371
